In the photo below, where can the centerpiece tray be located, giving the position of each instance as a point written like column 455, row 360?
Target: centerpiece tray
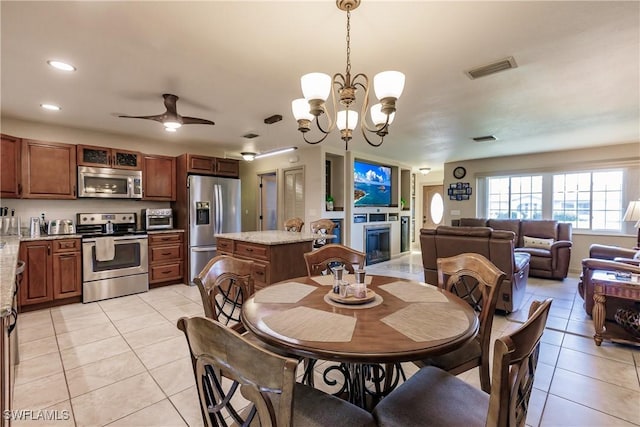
column 350, row 299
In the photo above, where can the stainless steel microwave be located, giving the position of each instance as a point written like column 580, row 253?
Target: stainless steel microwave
column 109, row 183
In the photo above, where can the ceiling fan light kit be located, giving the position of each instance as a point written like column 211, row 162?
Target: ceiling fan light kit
column 248, row 156
column 316, row 88
column 170, row 118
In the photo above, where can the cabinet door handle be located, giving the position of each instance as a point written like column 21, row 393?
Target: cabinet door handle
column 48, row 249
column 74, row 191
column 248, row 249
column 20, row 189
column 166, row 253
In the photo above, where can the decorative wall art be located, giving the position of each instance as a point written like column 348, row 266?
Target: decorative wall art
column 459, row 191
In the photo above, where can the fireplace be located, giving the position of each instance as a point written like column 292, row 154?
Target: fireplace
column 377, row 243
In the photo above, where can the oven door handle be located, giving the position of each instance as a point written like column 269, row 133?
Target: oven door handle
column 119, row 238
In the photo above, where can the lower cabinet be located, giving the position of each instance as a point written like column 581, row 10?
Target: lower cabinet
column 53, row 270
column 271, row 263
column 166, row 258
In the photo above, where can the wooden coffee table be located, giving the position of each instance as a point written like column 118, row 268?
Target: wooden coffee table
column 606, row 284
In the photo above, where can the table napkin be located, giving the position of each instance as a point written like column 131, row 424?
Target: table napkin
column 287, row 293
column 414, row 292
column 309, row 324
column 428, row 322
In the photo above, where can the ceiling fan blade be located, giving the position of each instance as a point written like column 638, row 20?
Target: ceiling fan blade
column 196, row 121
column 170, row 102
column 157, row 118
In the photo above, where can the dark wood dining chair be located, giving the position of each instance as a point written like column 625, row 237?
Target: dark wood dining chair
column 318, row 261
column 224, row 284
column 322, row 226
column 266, row 380
column 476, row 280
column 294, row 224
column 433, row 397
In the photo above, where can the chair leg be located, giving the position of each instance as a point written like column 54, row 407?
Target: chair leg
column 309, row 365
column 485, row 381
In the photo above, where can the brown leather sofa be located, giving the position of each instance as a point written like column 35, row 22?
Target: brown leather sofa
column 496, row 245
column 609, row 258
column 550, row 262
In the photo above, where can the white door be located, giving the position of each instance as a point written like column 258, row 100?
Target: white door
column 268, row 201
column 294, row 193
column 432, row 206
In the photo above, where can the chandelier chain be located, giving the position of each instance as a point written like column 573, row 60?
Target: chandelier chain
column 348, row 42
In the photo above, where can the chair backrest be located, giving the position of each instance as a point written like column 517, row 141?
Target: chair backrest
column 515, row 358
column 318, row 261
column 476, row 280
column 294, row 224
column 322, row 226
column 217, row 352
column 224, row 284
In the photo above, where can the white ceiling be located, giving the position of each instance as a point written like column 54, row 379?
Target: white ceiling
column 237, row 62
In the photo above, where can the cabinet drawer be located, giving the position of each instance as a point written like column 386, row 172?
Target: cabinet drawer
column 251, row 251
column 224, row 245
column 160, row 239
column 163, row 253
column 165, row 272
column 66, row 245
column 260, row 274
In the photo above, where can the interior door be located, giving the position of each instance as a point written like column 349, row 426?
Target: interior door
column 268, row 201
column 294, row 193
column 432, row 206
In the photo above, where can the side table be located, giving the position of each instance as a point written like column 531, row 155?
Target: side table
column 606, row 284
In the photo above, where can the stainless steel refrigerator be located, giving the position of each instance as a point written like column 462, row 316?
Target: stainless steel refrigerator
column 214, row 207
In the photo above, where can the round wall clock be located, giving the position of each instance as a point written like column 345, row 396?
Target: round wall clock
column 459, row 172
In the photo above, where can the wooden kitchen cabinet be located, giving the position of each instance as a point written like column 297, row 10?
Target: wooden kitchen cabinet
column 159, row 178
column 48, row 170
column 10, row 167
column 206, row 165
column 166, row 258
column 271, row 263
column 67, row 268
column 104, row 157
column 53, row 270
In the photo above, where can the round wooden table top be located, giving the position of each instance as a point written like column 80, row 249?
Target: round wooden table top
column 440, row 325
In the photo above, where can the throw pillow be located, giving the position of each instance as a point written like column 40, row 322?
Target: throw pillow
column 537, row 242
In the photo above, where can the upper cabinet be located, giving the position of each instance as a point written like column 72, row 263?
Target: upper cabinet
column 159, row 178
column 109, row 157
column 198, row 164
column 48, row 170
column 10, row 187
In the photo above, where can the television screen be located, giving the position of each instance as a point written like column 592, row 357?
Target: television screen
column 372, row 184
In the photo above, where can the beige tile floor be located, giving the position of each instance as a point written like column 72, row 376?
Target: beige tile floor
column 122, row 362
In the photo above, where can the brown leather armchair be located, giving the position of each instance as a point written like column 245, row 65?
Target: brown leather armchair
column 610, row 258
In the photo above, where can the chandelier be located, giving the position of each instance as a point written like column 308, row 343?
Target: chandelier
column 387, row 85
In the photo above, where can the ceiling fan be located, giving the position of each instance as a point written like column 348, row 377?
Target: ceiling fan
column 170, row 118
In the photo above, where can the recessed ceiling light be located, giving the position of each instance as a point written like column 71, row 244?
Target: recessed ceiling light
column 51, row 107
column 61, row 65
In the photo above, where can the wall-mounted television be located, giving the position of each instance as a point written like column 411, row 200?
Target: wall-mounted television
column 372, row 184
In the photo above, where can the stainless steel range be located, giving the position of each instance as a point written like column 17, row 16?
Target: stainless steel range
column 114, row 256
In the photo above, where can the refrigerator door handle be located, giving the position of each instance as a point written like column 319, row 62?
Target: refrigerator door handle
column 205, row 249
column 219, row 207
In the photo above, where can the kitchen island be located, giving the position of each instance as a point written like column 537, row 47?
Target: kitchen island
column 277, row 255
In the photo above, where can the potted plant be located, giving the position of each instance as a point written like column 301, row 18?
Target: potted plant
column 403, row 203
column 329, row 203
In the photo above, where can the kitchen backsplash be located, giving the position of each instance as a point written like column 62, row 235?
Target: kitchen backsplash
column 67, row 209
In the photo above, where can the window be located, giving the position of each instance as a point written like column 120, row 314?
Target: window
column 589, row 200
column 515, row 197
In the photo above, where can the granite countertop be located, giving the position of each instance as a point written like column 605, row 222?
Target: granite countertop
column 27, row 238
column 173, row 230
column 274, row 237
column 8, row 260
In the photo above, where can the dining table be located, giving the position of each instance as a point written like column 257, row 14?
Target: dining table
column 399, row 321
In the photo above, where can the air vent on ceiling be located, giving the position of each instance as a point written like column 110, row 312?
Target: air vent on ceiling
column 250, row 135
column 494, row 67
column 484, row 138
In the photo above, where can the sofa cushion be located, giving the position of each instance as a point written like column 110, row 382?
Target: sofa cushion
column 472, row 222
column 508, row 225
column 537, row 242
column 546, row 229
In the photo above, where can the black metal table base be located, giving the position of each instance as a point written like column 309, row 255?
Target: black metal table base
column 363, row 384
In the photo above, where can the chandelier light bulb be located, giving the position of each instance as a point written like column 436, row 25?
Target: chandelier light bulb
column 388, row 84
column 316, row 86
column 378, row 117
column 347, row 119
column 300, row 109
